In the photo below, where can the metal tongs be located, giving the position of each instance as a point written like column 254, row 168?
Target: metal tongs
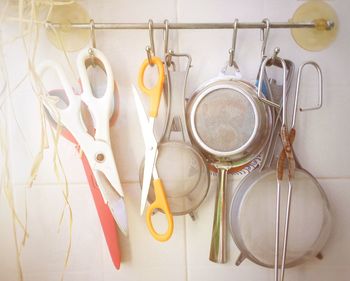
column 286, row 157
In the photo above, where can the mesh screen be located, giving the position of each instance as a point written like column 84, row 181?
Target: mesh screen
column 255, row 219
column 184, row 176
column 225, row 120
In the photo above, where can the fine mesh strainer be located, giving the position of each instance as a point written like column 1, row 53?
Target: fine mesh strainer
column 253, row 215
column 180, row 165
column 230, row 126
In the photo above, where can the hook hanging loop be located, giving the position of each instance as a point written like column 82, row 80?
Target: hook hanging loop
column 150, row 48
column 92, row 29
column 93, row 40
column 265, row 36
column 232, row 50
column 320, row 89
column 166, row 44
column 166, row 36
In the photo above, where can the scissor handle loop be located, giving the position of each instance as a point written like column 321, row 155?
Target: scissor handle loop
column 73, row 108
column 155, row 92
column 102, row 61
column 160, row 203
column 49, row 64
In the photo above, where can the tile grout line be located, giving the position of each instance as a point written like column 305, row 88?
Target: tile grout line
column 136, row 182
column 186, row 250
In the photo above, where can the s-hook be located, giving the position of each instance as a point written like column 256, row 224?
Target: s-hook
column 93, row 40
column 150, row 48
column 265, row 36
column 232, row 50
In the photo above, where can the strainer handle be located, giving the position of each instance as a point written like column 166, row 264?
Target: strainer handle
column 218, row 238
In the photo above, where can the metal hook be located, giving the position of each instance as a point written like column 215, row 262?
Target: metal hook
column 265, row 36
column 166, row 44
column 150, row 49
column 262, row 72
column 232, row 50
column 92, row 29
column 297, row 91
column 166, row 36
column 93, row 39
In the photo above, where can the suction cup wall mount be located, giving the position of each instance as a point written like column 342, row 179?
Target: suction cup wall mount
column 326, row 25
column 65, row 37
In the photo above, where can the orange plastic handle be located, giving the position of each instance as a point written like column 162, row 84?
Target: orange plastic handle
column 155, row 92
column 160, row 203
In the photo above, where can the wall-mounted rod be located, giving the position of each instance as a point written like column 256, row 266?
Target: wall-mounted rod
column 321, row 24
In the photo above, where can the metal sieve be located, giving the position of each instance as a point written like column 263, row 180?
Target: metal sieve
column 180, row 165
column 230, row 126
column 253, row 213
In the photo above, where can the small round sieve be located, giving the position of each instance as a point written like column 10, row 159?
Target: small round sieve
column 225, row 121
column 253, row 211
column 230, row 126
column 181, row 166
column 185, row 177
column 252, row 218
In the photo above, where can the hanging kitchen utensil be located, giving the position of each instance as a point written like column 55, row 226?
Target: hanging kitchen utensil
column 155, row 96
column 97, row 78
column 97, row 148
column 274, row 93
column 321, row 37
column 160, row 202
column 287, row 156
column 230, row 126
column 108, row 223
column 68, row 38
column 151, row 144
column 151, row 152
column 181, row 167
column 253, row 214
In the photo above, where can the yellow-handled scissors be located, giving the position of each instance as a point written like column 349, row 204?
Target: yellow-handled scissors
column 150, row 141
column 151, row 152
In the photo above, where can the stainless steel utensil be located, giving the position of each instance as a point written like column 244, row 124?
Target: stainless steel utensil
column 181, row 166
column 287, row 137
column 230, row 126
column 252, row 215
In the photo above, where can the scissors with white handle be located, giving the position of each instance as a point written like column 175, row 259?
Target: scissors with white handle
column 97, row 148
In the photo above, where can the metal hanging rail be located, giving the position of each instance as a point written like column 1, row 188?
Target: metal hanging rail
column 320, row 24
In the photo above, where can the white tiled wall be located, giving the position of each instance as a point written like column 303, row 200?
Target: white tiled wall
column 322, row 146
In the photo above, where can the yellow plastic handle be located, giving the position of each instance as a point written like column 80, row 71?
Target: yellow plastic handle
column 160, row 203
column 155, row 92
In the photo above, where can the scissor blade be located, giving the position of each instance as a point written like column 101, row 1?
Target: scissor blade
column 143, row 119
column 150, row 158
column 114, row 201
column 150, row 152
column 118, row 211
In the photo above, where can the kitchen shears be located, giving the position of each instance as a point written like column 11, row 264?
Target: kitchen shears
column 97, row 148
column 107, row 221
column 151, row 152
